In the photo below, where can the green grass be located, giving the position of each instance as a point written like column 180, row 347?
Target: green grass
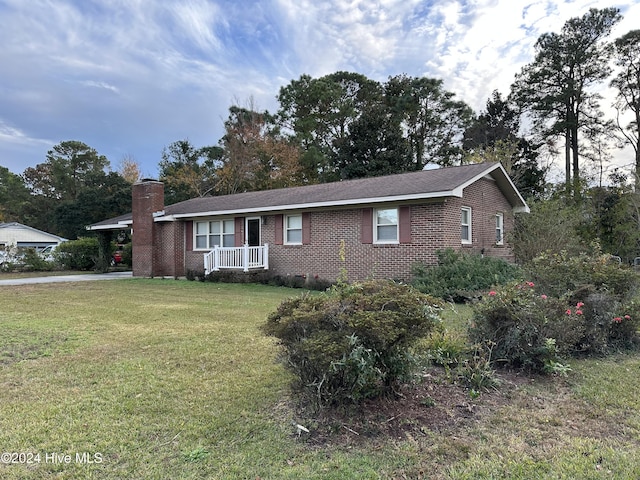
column 173, row 379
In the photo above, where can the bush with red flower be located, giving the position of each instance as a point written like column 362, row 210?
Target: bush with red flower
column 537, row 330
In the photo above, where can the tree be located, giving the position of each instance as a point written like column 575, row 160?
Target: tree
column 556, row 86
column 129, row 169
column 627, row 83
column 13, row 195
column 187, row 171
column 104, row 196
column 72, row 189
column 494, row 136
column 433, row 120
column 64, row 175
column 255, row 156
column 375, row 146
column 319, row 114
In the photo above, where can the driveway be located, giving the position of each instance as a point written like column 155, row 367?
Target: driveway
column 87, row 277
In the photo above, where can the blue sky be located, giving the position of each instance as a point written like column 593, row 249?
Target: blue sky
column 129, row 77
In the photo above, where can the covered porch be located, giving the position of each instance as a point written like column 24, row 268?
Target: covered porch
column 243, row 258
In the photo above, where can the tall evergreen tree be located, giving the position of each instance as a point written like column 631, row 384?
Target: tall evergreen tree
column 494, row 135
column 320, row 112
column 627, row 83
column 433, row 119
column 556, row 87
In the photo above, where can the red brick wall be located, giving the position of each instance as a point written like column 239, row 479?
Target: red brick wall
column 170, row 249
column 147, row 197
column 433, row 226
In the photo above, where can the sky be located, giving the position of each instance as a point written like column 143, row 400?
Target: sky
column 130, row 77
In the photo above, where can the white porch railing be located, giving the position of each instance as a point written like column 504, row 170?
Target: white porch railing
column 236, row 258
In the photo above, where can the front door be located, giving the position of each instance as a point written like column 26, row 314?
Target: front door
column 253, row 231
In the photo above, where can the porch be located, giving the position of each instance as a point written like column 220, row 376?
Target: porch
column 242, row 258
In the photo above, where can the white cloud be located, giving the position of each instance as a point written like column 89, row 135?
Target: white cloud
column 151, row 72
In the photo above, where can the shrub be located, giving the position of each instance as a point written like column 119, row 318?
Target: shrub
column 352, row 342
column 459, row 276
column 536, row 331
column 561, row 274
column 127, row 254
column 516, row 321
column 81, row 254
column 33, row 261
column 262, row 276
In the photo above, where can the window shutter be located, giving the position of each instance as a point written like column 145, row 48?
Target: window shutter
column 366, row 235
column 279, row 219
column 306, row 228
column 238, row 232
column 188, row 232
column 405, row 224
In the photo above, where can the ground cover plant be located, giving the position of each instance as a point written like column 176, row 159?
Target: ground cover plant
column 174, row 379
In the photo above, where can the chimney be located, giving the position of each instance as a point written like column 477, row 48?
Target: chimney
column 147, row 199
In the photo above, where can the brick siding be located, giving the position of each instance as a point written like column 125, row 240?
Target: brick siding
column 434, row 225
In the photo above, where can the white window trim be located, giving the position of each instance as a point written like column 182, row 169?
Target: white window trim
column 500, row 228
column 208, row 223
column 286, row 229
column 466, row 241
column 375, row 227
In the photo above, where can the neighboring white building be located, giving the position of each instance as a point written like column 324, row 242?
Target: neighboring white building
column 17, row 235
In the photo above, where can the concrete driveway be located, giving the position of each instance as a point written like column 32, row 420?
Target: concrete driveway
column 86, row 277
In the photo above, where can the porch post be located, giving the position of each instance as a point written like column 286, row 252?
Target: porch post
column 245, row 257
column 265, row 259
column 216, row 260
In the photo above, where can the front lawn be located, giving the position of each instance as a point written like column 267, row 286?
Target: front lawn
column 173, row 379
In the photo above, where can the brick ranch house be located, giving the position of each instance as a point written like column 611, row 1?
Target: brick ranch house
column 373, row 227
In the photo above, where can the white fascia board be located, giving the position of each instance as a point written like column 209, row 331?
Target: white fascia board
column 524, row 208
column 112, row 226
column 305, row 206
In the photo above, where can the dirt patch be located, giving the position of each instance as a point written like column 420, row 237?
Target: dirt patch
column 540, row 411
column 436, row 404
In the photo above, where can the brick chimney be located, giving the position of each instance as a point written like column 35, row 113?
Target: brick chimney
column 147, row 199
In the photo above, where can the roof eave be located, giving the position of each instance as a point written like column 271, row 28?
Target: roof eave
column 110, row 226
column 457, row 192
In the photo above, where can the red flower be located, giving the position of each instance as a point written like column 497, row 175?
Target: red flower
column 543, row 296
column 627, row 317
column 568, row 312
column 492, row 293
column 579, row 304
column 578, row 312
column 530, row 284
column 617, row 319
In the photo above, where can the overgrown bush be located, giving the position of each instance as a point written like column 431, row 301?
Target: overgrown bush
column 560, row 273
column 460, row 276
column 81, row 254
column 540, row 332
column 517, row 321
column 352, row 342
column 32, row 261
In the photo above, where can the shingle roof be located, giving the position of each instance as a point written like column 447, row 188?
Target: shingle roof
column 436, row 183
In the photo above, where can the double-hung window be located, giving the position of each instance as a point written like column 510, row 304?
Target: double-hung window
column 465, row 225
column 385, row 226
column 214, row 233
column 499, row 229
column 293, row 230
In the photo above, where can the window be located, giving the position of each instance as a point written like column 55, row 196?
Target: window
column 386, row 225
column 293, row 229
column 216, row 233
column 465, row 223
column 499, row 228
